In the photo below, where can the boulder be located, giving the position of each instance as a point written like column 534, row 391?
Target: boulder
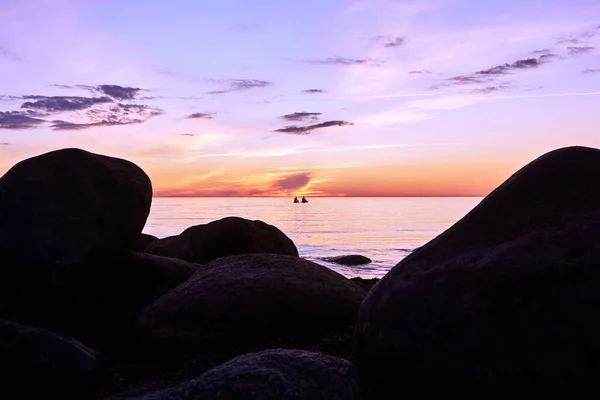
column 352, row 259
column 504, row 303
column 225, row 237
column 65, row 206
column 277, row 374
column 38, row 364
column 97, row 301
column 245, row 302
column 143, row 242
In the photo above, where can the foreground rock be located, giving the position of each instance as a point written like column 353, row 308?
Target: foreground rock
column 503, row 304
column 225, row 237
column 98, row 301
column 38, row 364
column 276, row 374
column 65, row 206
column 350, row 260
column 143, row 242
column 243, row 302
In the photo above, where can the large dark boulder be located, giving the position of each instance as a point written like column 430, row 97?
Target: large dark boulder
column 504, row 304
column 38, row 364
column 143, row 242
column 277, row 374
column 241, row 303
column 224, row 237
column 65, row 206
column 96, row 301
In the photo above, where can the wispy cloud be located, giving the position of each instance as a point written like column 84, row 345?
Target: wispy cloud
column 493, row 88
column 116, row 92
column 313, row 91
column 420, row 72
column 236, row 85
column 54, row 104
column 8, row 54
column 301, row 116
column 389, row 41
column 574, row 50
column 201, row 115
column 345, row 61
column 306, row 130
column 591, row 71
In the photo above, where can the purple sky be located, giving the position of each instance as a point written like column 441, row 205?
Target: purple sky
column 329, row 97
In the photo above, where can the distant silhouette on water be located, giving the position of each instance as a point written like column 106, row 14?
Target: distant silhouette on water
column 304, row 200
column 295, row 200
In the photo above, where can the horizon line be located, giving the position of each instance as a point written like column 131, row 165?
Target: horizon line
column 258, row 197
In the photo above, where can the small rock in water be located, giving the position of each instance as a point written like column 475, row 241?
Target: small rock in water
column 350, row 260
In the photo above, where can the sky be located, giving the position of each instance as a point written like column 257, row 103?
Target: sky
column 313, row 98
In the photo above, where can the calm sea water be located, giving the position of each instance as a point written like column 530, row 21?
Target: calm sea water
column 383, row 229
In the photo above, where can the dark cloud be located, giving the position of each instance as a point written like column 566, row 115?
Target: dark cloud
column 4, row 143
column 56, row 85
column 313, row 91
column 574, row 50
column 19, row 120
column 388, row 41
column 507, row 68
column 420, row 71
column 235, row 85
column 188, row 134
column 8, row 54
column 542, row 51
column 493, row 88
column 292, row 182
column 200, row 115
column 306, row 130
column 301, row 116
column 591, row 71
column 467, row 79
column 571, row 40
column 62, row 103
column 119, row 92
column 345, row 61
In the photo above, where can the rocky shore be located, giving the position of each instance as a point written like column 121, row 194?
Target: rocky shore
column 502, row 305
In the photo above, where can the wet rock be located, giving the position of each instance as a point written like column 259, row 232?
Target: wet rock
column 143, row 242
column 350, row 260
column 504, row 303
column 38, row 364
column 365, row 283
column 240, row 303
column 65, row 206
column 278, row 374
column 225, row 237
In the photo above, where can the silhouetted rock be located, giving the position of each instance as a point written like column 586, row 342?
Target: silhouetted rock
column 277, row 374
column 38, row 364
column 143, row 242
column 365, row 283
column 225, row 237
column 240, row 303
column 504, row 304
column 97, row 301
column 352, row 259
column 64, row 206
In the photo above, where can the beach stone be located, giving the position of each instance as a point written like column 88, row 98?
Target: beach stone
column 224, row 237
column 350, row 260
column 277, row 374
column 504, row 304
column 245, row 302
column 143, row 242
column 98, row 301
column 39, row 364
column 64, row 206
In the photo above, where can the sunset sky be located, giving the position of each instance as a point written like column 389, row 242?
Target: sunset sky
column 314, row 97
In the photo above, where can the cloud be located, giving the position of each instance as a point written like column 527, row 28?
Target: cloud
column 8, row 54
column 306, row 130
column 301, row 116
column 18, row 120
column 119, row 92
column 493, row 88
column 574, row 50
column 201, row 115
column 591, row 71
column 313, row 91
column 188, row 134
column 235, row 85
column 389, row 41
column 420, row 71
column 4, row 143
column 59, row 125
column 292, row 182
column 541, row 51
column 507, row 68
column 345, row 61
column 62, row 103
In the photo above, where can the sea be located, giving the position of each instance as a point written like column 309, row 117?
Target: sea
column 385, row 229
